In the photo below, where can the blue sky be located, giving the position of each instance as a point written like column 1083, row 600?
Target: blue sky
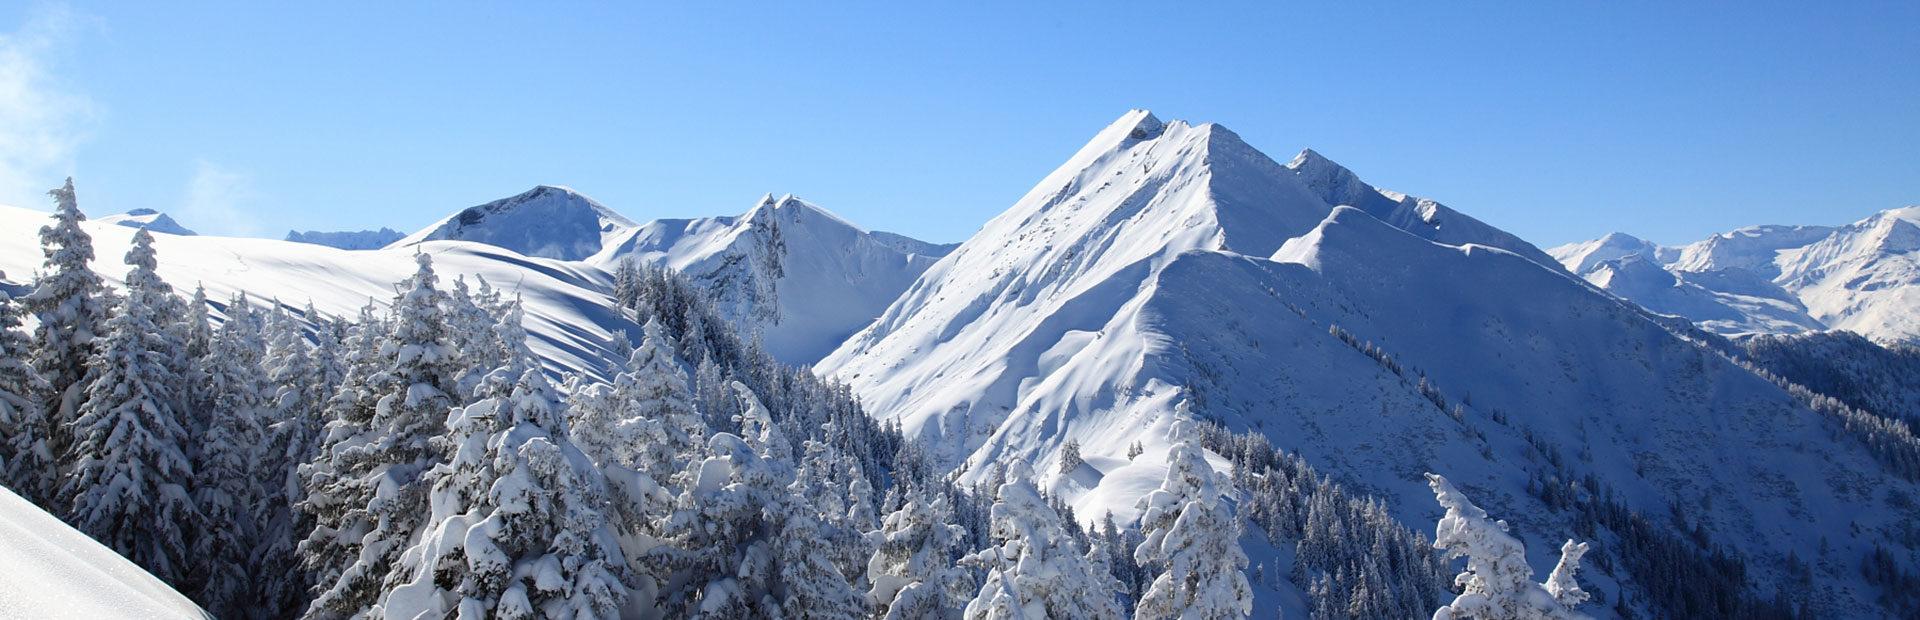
column 1555, row 120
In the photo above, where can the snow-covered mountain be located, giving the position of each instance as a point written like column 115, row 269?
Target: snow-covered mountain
column 348, row 239
column 1168, row 261
column 546, row 221
column 801, row 276
column 149, row 219
column 1774, row 279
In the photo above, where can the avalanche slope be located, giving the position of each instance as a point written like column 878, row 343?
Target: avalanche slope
column 1167, row 261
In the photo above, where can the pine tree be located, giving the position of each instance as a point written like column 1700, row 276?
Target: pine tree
column 627, row 288
column 719, row 538
column 471, row 318
column 516, row 530
column 715, row 540
column 646, row 420
column 196, row 334
column 1193, row 536
column 378, row 475
column 912, row 570
column 811, row 585
column 27, row 465
column 336, row 489
column 1033, row 565
column 129, row 480
column 1070, row 457
column 294, row 408
column 230, row 485
column 68, row 302
column 1497, row 584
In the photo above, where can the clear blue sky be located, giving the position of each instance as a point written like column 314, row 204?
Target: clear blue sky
column 1555, row 120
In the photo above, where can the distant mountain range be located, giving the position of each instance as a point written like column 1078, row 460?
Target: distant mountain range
column 1772, row 279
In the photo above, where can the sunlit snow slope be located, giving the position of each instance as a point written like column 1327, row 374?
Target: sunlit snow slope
column 1166, row 256
column 52, row 571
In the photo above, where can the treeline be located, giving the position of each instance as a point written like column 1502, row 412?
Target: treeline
column 1883, row 380
column 1350, row 557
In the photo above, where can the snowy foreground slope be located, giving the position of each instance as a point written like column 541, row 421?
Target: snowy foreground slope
column 1772, row 279
column 53, row 571
column 1168, row 255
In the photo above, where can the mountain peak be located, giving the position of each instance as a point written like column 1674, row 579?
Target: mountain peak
column 548, row 221
column 1146, row 126
column 153, row 221
column 1310, row 159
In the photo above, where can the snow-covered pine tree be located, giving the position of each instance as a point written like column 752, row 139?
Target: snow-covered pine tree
column 232, row 474
column 129, row 480
column 379, row 474
column 329, row 368
column 620, row 347
column 715, row 541
column 1194, row 537
column 820, row 496
column 718, row 551
column 810, row 585
column 516, row 530
column 471, row 318
column 1498, row 583
column 626, row 287
column 1034, row 568
column 293, row 408
column 335, row 494
column 69, row 303
column 912, row 570
column 26, row 462
column 196, row 334
column 647, row 422
column 715, row 399
column 862, row 511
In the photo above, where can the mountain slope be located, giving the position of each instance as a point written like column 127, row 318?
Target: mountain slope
column 1168, row 262
column 348, row 239
column 54, row 571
